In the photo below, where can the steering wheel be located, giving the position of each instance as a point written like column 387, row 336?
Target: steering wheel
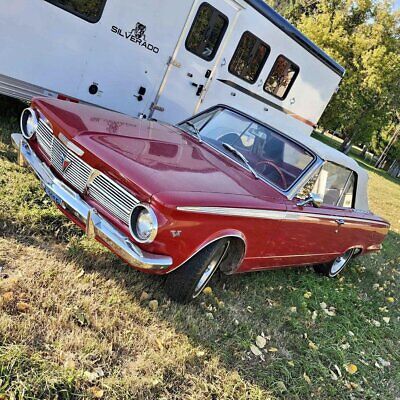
column 272, row 164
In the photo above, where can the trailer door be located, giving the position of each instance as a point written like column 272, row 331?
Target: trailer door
column 195, row 59
column 128, row 58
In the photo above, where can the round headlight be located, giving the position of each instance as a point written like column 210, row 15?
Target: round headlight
column 29, row 123
column 143, row 224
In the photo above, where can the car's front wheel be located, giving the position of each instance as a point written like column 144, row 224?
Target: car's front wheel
column 336, row 266
column 189, row 280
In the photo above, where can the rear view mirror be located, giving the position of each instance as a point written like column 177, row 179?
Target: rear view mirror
column 314, row 199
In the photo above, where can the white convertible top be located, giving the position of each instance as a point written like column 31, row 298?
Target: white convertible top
column 328, row 153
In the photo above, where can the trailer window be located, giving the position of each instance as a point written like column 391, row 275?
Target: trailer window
column 281, row 77
column 206, row 33
column 249, row 58
column 89, row 10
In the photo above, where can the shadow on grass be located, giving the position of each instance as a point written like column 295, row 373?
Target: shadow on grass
column 228, row 334
column 10, row 111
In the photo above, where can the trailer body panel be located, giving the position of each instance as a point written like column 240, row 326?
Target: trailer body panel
column 167, row 59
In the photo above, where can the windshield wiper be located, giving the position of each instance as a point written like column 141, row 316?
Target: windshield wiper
column 238, row 154
column 195, row 130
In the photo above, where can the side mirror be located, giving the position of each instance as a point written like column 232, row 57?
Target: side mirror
column 313, row 198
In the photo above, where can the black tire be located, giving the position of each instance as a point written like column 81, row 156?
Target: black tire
column 332, row 268
column 183, row 284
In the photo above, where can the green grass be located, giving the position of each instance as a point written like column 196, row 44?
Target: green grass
column 72, row 324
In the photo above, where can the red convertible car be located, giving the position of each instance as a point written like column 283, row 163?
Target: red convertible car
column 219, row 191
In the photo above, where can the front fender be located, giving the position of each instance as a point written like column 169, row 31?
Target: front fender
column 181, row 234
column 231, row 233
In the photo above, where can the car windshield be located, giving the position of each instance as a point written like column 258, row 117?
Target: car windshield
column 264, row 152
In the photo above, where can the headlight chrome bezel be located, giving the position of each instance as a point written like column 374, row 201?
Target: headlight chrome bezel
column 133, row 223
column 26, row 114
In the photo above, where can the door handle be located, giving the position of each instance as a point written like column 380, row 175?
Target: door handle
column 199, row 90
column 340, row 221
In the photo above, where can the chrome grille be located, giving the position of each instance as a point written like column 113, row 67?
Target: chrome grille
column 45, row 137
column 110, row 195
column 77, row 173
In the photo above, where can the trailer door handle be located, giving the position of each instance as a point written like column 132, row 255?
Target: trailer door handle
column 340, row 221
column 199, row 90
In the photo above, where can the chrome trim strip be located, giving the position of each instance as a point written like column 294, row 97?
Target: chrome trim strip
column 292, row 255
column 237, row 212
column 96, row 225
column 273, row 215
column 73, row 147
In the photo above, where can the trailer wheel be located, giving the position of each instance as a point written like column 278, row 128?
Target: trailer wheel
column 336, row 266
column 189, row 280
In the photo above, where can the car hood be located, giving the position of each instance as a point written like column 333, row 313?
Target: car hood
column 150, row 156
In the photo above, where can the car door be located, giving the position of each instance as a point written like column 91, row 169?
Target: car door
column 194, row 61
column 319, row 234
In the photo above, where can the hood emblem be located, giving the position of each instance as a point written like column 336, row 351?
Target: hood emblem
column 65, row 162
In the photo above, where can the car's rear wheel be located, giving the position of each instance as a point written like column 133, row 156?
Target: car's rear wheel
column 189, row 280
column 336, row 266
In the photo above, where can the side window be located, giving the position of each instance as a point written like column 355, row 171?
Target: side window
column 335, row 184
column 249, row 58
column 281, row 77
column 89, row 10
column 206, row 33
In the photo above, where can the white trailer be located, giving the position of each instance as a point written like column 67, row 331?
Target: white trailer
column 166, row 59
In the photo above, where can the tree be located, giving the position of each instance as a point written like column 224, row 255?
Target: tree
column 364, row 37
column 293, row 10
column 387, row 143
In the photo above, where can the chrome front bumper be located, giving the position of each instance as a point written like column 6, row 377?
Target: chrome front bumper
column 96, row 226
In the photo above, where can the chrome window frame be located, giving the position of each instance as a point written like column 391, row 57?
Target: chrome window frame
column 346, row 188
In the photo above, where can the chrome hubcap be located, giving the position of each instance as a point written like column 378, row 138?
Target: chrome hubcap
column 341, row 262
column 211, row 268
